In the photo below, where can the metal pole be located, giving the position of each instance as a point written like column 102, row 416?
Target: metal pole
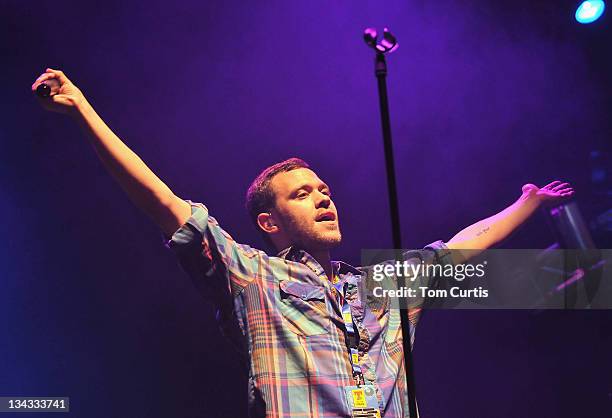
column 381, row 76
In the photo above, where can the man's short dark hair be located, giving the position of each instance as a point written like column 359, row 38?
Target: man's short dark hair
column 260, row 197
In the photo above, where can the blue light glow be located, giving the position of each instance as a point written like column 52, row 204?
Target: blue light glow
column 590, row 10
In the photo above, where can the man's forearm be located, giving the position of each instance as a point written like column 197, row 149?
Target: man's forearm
column 490, row 231
column 142, row 186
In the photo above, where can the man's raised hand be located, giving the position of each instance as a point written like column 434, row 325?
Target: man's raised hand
column 555, row 191
column 65, row 96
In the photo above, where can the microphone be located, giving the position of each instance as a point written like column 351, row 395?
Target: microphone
column 47, row 87
column 387, row 44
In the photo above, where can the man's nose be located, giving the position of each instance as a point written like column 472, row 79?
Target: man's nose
column 323, row 200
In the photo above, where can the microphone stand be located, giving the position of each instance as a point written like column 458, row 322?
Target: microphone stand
column 387, row 45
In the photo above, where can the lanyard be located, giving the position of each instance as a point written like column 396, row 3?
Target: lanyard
column 352, row 335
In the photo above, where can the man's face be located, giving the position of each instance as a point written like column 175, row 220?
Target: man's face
column 306, row 215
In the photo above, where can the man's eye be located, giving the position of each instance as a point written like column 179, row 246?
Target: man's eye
column 302, row 195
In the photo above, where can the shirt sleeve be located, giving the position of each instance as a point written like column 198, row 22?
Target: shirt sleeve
column 218, row 265
column 378, row 277
column 435, row 253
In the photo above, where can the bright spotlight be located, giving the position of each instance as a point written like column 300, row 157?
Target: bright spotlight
column 589, row 11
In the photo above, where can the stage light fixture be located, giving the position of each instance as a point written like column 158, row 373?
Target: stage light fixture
column 589, row 11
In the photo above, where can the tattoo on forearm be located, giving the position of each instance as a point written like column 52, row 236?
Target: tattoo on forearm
column 484, row 231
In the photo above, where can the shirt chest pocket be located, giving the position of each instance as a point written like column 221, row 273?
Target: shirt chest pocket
column 304, row 309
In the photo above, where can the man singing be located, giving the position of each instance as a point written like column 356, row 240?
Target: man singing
column 315, row 344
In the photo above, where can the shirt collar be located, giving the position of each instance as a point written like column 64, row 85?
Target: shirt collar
column 298, row 255
column 340, row 267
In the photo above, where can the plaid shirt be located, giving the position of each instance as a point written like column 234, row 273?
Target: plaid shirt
column 283, row 313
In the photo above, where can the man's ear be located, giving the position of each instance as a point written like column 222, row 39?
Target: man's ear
column 267, row 223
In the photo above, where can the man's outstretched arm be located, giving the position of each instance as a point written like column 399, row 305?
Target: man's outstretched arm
column 490, row 231
column 142, row 186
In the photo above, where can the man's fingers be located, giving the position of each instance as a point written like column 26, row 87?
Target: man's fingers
column 50, row 74
column 567, row 190
column 560, row 186
column 549, row 185
column 44, row 77
column 59, row 75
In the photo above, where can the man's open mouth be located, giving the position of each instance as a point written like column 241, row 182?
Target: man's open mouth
column 328, row 216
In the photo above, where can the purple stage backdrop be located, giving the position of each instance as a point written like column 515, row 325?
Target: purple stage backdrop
column 484, row 98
